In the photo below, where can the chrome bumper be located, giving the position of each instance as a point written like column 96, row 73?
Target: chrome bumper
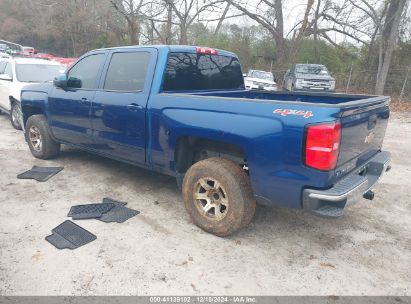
column 351, row 188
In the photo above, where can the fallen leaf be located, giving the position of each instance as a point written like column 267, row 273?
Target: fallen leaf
column 327, row 265
column 37, row 256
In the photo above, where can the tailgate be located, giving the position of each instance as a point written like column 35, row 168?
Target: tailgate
column 363, row 130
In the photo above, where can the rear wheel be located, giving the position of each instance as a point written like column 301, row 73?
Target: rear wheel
column 39, row 139
column 218, row 196
column 15, row 116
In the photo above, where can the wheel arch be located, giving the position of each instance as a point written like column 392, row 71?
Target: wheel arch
column 12, row 100
column 30, row 110
column 190, row 149
column 33, row 103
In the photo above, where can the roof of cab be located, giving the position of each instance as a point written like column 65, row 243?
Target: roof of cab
column 170, row 48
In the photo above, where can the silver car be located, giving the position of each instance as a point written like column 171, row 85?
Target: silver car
column 308, row 77
column 260, row 80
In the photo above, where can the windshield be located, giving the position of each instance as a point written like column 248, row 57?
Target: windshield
column 312, row 69
column 38, row 72
column 263, row 75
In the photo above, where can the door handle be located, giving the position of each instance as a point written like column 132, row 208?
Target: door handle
column 134, row 107
column 84, row 100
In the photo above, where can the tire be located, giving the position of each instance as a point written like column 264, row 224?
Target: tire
column 15, row 116
column 38, row 137
column 217, row 195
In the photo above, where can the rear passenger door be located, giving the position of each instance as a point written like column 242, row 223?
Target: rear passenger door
column 119, row 106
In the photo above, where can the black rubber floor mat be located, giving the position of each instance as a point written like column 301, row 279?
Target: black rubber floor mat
column 119, row 213
column 40, row 174
column 89, row 211
column 110, row 200
column 69, row 235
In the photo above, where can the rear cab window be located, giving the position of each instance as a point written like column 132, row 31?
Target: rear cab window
column 194, row 72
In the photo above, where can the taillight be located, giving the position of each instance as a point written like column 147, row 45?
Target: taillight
column 208, row 51
column 322, row 144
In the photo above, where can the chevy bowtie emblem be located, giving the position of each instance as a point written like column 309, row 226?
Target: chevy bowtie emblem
column 369, row 138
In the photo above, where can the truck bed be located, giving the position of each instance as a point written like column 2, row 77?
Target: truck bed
column 363, row 118
column 328, row 99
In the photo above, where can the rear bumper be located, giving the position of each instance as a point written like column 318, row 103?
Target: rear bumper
column 350, row 189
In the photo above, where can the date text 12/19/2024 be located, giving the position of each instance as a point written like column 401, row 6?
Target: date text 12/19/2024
column 203, row 299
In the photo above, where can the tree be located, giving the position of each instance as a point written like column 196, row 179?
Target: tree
column 133, row 14
column 269, row 14
column 189, row 11
column 388, row 41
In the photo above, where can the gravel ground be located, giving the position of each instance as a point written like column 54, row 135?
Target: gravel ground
column 160, row 252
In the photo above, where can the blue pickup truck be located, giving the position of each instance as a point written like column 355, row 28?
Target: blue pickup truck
column 184, row 111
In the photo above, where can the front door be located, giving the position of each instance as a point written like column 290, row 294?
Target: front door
column 119, row 107
column 70, row 107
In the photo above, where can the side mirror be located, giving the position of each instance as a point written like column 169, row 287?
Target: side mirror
column 6, row 77
column 60, row 81
column 74, row 82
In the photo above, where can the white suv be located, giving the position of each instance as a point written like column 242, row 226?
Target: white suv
column 15, row 73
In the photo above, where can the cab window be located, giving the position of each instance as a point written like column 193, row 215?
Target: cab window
column 127, row 72
column 84, row 74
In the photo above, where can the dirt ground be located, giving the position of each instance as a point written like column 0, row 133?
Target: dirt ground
column 160, row 252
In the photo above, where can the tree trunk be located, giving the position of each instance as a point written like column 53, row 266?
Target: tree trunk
column 132, row 32
column 389, row 37
column 279, row 38
column 183, row 33
column 168, row 39
column 220, row 22
column 316, row 53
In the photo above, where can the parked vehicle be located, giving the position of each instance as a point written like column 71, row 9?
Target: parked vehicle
column 15, row 73
column 4, row 48
column 28, row 51
column 184, row 111
column 44, row 56
column 260, row 80
column 67, row 62
column 4, row 55
column 308, row 77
